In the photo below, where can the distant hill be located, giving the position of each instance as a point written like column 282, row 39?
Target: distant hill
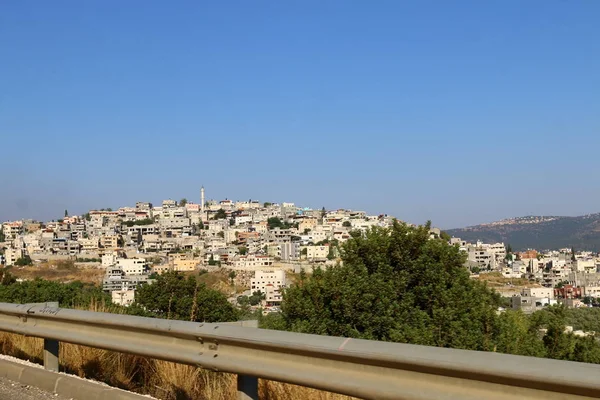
column 550, row 232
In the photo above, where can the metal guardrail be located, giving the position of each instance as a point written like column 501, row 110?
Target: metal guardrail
column 360, row 368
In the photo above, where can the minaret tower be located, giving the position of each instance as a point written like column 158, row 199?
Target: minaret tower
column 202, row 201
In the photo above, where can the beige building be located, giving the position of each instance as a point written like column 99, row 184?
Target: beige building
column 591, row 291
column 161, row 269
column 185, row 265
column 307, row 223
column 542, row 292
column 12, row 255
column 12, row 229
column 89, row 244
column 123, row 297
column 133, row 266
column 262, row 278
column 109, row 241
column 252, row 262
column 317, row 252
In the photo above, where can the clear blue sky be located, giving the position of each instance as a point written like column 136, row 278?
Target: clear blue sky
column 456, row 111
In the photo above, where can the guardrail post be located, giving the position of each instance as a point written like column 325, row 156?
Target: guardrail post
column 247, row 387
column 51, row 348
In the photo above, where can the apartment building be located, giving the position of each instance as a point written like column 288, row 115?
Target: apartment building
column 262, row 278
column 123, row 297
column 133, row 266
column 307, row 223
column 317, row 252
column 12, row 255
column 12, row 230
column 252, row 262
column 117, row 279
column 109, row 241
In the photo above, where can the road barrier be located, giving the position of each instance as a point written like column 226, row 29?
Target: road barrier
column 360, row 368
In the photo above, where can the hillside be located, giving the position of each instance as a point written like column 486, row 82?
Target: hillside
column 539, row 232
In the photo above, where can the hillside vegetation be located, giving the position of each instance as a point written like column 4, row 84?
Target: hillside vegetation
column 541, row 233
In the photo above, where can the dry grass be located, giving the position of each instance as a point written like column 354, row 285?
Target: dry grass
column 161, row 379
column 60, row 271
column 270, row 390
column 496, row 279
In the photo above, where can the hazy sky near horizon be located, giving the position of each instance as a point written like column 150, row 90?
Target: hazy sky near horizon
column 461, row 112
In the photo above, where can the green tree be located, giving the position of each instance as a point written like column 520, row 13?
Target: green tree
column 174, row 296
column 347, row 224
column 66, row 213
column 445, row 236
column 398, row 285
column 243, row 250
column 221, row 214
column 211, row 260
column 274, row 222
column 232, row 277
column 256, row 297
column 267, row 204
column 331, row 254
column 183, row 202
column 573, row 258
column 2, row 235
column 23, row 261
column 517, row 335
column 200, row 225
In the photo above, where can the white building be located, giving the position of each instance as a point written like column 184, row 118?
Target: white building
column 262, row 278
column 109, row 259
column 133, row 266
column 317, row 252
column 253, row 262
column 123, row 297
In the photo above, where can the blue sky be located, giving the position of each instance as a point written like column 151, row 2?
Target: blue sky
column 461, row 112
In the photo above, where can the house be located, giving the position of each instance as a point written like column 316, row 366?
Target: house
column 317, row 252
column 133, row 266
column 117, row 279
column 109, row 241
column 123, row 297
column 252, row 262
column 262, row 278
column 12, row 229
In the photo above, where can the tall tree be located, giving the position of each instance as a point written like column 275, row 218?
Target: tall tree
column 221, row 214
column 174, row 296
column 66, row 213
column 573, row 258
column 183, row 202
column 398, row 285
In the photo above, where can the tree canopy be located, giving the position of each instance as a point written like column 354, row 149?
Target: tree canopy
column 395, row 284
column 221, row 214
column 175, row 296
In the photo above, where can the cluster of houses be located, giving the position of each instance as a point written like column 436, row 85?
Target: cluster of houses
column 556, row 276
column 135, row 242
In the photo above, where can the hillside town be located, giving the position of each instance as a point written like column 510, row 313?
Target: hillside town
column 534, row 279
column 256, row 242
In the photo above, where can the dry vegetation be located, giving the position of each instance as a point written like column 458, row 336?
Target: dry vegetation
column 62, row 271
column 161, row 379
column 494, row 279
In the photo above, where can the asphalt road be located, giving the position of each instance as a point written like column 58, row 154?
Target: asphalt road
column 10, row 390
